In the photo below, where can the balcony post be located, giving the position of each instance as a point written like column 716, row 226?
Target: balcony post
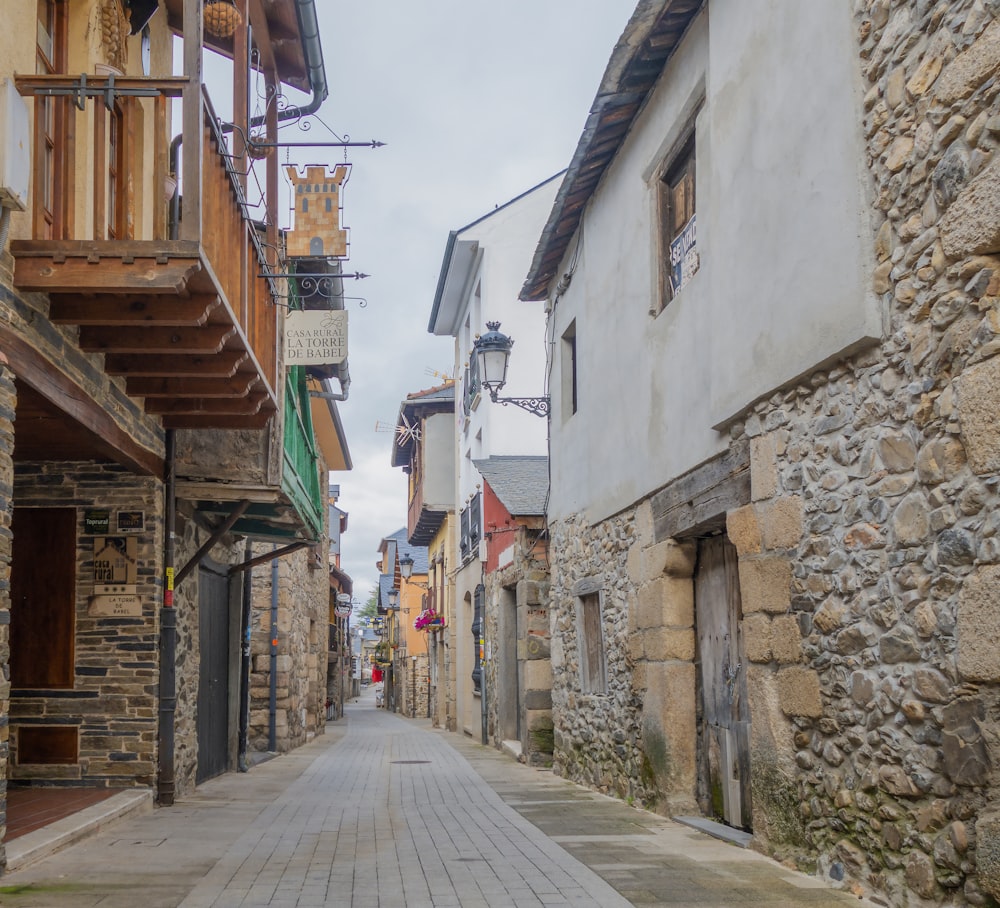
column 192, row 122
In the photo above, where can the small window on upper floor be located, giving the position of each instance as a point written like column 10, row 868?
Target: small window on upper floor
column 568, row 371
column 678, row 225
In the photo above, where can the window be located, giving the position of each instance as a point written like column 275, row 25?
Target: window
column 568, row 371
column 679, row 253
column 590, row 643
column 50, row 122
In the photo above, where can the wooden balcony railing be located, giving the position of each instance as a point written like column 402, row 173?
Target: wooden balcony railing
column 189, row 322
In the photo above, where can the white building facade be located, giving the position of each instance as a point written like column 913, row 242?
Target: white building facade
column 481, row 274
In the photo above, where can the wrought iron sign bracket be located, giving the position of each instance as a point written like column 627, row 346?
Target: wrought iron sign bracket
column 537, row 405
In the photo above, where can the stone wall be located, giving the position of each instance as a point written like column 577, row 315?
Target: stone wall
column 526, row 580
column 596, row 737
column 882, row 656
column 303, row 628
column 113, row 701
column 869, row 558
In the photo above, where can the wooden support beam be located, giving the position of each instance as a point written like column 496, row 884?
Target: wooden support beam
column 700, row 499
column 238, row 385
column 131, row 309
column 182, row 406
column 102, row 275
column 270, row 556
column 223, row 365
column 153, row 340
column 211, row 542
column 68, row 397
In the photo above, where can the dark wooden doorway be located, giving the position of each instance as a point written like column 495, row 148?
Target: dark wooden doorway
column 213, row 687
column 43, row 598
column 724, row 732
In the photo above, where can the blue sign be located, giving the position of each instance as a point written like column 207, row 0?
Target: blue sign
column 683, row 256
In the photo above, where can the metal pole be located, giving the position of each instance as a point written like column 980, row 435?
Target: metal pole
column 242, row 763
column 168, row 638
column 272, row 731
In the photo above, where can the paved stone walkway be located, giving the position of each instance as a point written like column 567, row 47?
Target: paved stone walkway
column 383, row 812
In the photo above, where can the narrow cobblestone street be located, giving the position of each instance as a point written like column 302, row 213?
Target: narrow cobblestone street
column 383, row 812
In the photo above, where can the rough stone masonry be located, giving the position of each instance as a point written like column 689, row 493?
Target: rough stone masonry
column 869, row 555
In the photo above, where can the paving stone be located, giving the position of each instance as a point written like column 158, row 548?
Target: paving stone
column 343, row 822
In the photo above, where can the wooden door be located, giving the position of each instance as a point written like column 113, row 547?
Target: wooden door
column 43, row 598
column 213, row 689
column 725, row 724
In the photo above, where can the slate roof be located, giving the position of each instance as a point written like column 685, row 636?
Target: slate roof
column 384, row 585
column 520, row 482
column 417, row 552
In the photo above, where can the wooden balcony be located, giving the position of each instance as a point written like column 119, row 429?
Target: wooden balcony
column 189, row 323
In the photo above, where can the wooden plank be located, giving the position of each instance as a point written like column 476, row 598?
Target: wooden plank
column 129, row 309
column 701, row 498
column 110, row 250
column 238, row 385
column 222, row 364
column 160, row 168
column 234, row 406
column 168, row 86
column 153, row 340
column 109, row 275
column 68, row 397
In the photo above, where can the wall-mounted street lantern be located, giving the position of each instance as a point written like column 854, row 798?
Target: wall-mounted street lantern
column 406, row 571
column 393, row 600
column 492, row 351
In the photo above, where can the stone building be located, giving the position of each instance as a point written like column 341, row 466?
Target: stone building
column 147, row 429
column 518, row 670
column 775, row 576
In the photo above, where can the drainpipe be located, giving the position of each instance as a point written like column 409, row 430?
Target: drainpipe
column 241, row 759
column 168, row 638
column 272, row 730
column 305, row 12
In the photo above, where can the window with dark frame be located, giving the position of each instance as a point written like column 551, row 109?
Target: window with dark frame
column 569, row 379
column 590, row 642
column 679, row 252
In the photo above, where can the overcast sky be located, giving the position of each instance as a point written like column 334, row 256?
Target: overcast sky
column 477, row 102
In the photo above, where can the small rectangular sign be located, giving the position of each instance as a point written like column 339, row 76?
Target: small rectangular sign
column 316, row 337
column 96, row 521
column 131, row 521
column 684, row 260
column 115, row 560
column 115, row 606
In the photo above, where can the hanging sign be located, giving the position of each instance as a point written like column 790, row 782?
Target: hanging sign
column 315, row 337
